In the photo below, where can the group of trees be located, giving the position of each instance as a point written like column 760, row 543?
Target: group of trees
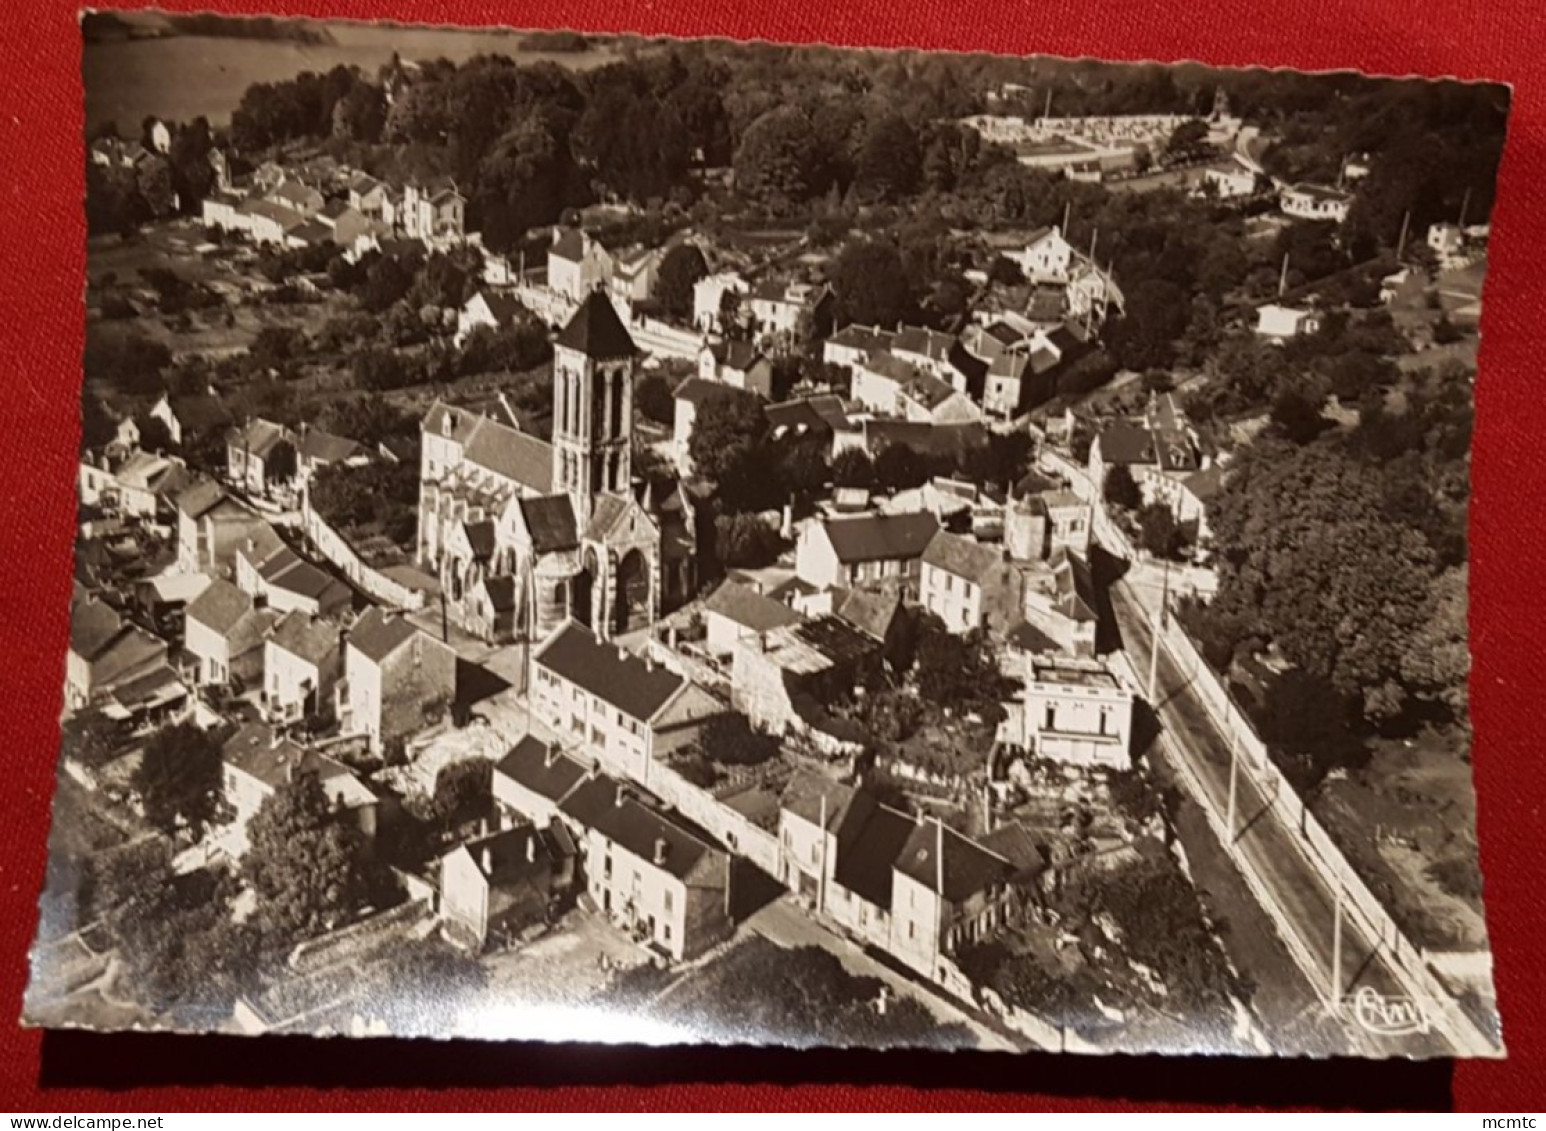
column 1347, row 554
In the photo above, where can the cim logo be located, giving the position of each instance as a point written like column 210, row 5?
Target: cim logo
column 1388, row 1016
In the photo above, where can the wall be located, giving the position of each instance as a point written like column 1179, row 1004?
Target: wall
column 1316, row 844
column 332, row 546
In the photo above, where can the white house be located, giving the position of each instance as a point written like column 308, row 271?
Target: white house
column 487, row 308
column 622, row 708
column 708, row 299
column 1075, row 711
column 968, row 585
column 855, row 344
column 1229, row 182
column 301, row 665
column 1046, row 256
column 1279, row 323
column 577, row 264
column 1315, row 202
column 864, row 549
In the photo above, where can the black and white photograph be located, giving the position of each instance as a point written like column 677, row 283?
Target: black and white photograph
column 595, row 538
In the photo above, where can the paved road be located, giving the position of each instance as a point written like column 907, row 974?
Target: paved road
column 1264, row 846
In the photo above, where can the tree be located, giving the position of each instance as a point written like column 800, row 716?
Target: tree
column 889, row 164
column 853, row 467
column 1296, row 414
column 1188, row 141
column 1306, row 722
column 778, row 163
column 745, row 541
column 179, row 779
column 802, row 467
column 1156, row 315
column 91, row 738
column 1437, row 660
column 306, row 864
column 193, row 177
column 959, row 670
column 153, row 176
column 1446, row 332
column 1310, row 560
column 1159, row 532
column 900, row 468
column 728, row 447
column 1005, row 272
column 464, row 791
column 1121, row 489
column 386, row 282
column 653, row 399
column 132, row 363
column 680, row 270
column 871, row 284
column 731, row 740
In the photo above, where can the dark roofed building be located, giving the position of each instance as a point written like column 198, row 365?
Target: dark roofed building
column 550, row 523
column 865, row 549
column 629, row 683
column 596, row 331
column 535, row 777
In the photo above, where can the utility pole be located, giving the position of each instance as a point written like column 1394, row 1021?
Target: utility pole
column 821, row 880
column 1465, row 203
column 1406, row 222
column 1336, row 951
column 1234, row 773
column 1068, row 206
column 1283, row 276
column 1159, row 624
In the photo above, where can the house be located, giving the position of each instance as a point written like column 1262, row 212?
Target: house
column 968, row 585
column 854, row 344
column 666, row 885
column 787, row 314
column 779, row 678
column 1279, row 323
column 734, row 612
column 878, row 613
column 261, row 457
column 433, row 211
column 948, row 892
column 1076, row 711
column 577, row 264
column 268, row 221
column 224, row 629
column 498, row 886
column 367, row 195
column 813, row 417
column 1315, row 202
column 302, row 661
column 146, row 484
column 1198, row 491
column 298, row 196
column 1046, row 257
column 928, row 350
column 318, row 449
column 192, row 416
column 1159, row 449
column 1041, row 520
column 740, row 365
column 633, row 274
column 1229, row 182
column 817, row 819
column 346, row 225
column 878, row 382
column 533, row 779
column 211, row 528
column 265, row 567
column 398, row 679
column 860, row 893
column 106, row 652
column 709, row 300
column 488, row 308
column 1447, row 241
column 625, row 709
column 259, row 759
column 1060, row 606
column 1091, row 294
column 865, row 550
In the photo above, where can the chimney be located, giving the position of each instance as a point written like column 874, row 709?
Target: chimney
column 549, row 756
column 660, row 851
column 622, row 653
column 531, row 848
column 621, row 796
column 275, row 739
column 488, row 861
column 506, row 820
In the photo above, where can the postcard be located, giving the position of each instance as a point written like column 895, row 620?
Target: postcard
column 585, row 537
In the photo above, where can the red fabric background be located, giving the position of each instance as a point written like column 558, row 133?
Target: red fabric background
column 42, row 237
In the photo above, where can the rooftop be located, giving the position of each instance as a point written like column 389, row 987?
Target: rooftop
column 748, row 608
column 632, row 684
column 607, row 806
column 964, row 557
column 377, row 634
column 953, row 865
column 596, row 331
column 311, row 638
column 542, row 768
column 1070, row 672
column 880, row 537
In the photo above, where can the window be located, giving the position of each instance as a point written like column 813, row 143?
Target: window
column 668, row 905
column 666, row 930
column 912, row 931
column 596, row 737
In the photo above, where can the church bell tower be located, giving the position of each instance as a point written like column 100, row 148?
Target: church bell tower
column 593, row 367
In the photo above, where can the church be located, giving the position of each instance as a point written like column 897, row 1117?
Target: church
column 525, row 533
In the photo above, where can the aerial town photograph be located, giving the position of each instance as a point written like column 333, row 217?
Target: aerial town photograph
column 585, row 537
